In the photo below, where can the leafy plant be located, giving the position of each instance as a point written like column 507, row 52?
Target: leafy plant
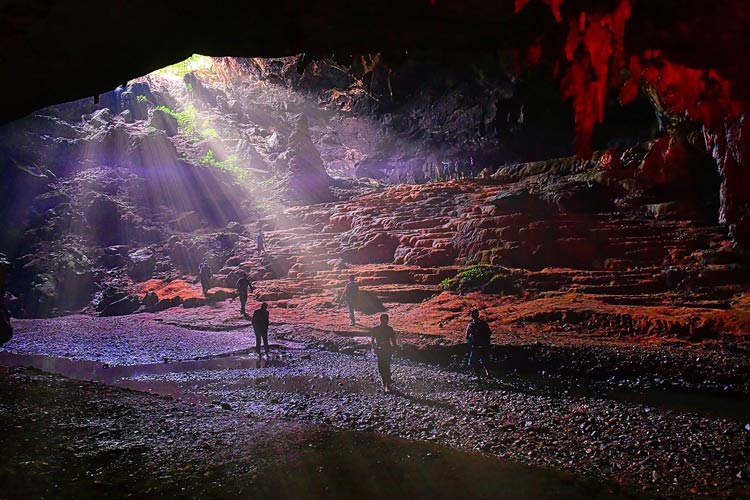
column 141, row 98
column 476, row 273
column 446, row 284
column 186, row 119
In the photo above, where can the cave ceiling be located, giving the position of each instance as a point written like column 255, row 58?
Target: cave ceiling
column 56, row 52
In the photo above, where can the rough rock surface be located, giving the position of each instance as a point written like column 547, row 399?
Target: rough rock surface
column 6, row 329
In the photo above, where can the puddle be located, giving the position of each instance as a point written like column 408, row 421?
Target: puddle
column 685, row 401
column 346, row 464
column 126, row 375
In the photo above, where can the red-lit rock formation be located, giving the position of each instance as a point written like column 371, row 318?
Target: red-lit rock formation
column 712, row 92
column 564, row 251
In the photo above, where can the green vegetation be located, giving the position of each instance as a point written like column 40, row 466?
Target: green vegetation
column 186, row 120
column 488, row 279
column 230, row 165
column 141, row 98
column 476, row 274
column 446, row 284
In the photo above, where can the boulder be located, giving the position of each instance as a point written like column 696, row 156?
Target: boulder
column 142, row 264
column 116, row 302
column 114, row 256
column 150, row 299
column 305, row 178
column 121, row 307
column 75, row 286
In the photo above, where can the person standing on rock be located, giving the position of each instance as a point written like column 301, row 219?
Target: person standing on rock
column 260, row 241
column 478, row 335
column 351, row 296
column 205, row 273
column 243, row 284
column 383, row 344
column 260, row 326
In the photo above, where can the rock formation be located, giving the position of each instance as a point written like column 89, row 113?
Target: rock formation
column 304, row 176
column 6, row 329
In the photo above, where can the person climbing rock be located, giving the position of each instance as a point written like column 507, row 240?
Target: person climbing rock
column 260, row 326
column 260, row 241
column 383, row 344
column 243, row 284
column 205, row 273
column 351, row 296
column 478, row 335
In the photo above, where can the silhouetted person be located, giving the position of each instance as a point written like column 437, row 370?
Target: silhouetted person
column 260, row 241
column 383, row 344
column 260, row 326
column 478, row 335
column 243, row 284
column 446, row 170
column 205, row 273
column 351, row 296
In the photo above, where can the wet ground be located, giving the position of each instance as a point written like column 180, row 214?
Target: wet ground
column 661, row 442
column 66, row 439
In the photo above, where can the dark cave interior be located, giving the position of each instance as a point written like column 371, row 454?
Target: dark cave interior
column 576, row 170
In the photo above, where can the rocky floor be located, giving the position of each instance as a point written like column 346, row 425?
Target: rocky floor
column 657, row 448
column 68, row 439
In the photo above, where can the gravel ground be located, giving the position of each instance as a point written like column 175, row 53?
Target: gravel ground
column 122, row 340
column 661, row 451
column 651, row 448
column 68, row 439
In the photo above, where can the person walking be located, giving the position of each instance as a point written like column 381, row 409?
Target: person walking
column 205, row 273
column 383, row 343
column 351, row 297
column 478, row 335
column 260, row 326
column 242, row 286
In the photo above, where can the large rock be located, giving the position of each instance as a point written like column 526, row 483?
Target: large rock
column 121, row 307
column 142, row 263
column 305, row 177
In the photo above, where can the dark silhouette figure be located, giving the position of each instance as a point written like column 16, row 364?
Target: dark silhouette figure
column 446, row 170
column 260, row 326
column 243, row 284
column 383, row 344
column 351, row 296
column 260, row 241
column 205, row 273
column 478, row 335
